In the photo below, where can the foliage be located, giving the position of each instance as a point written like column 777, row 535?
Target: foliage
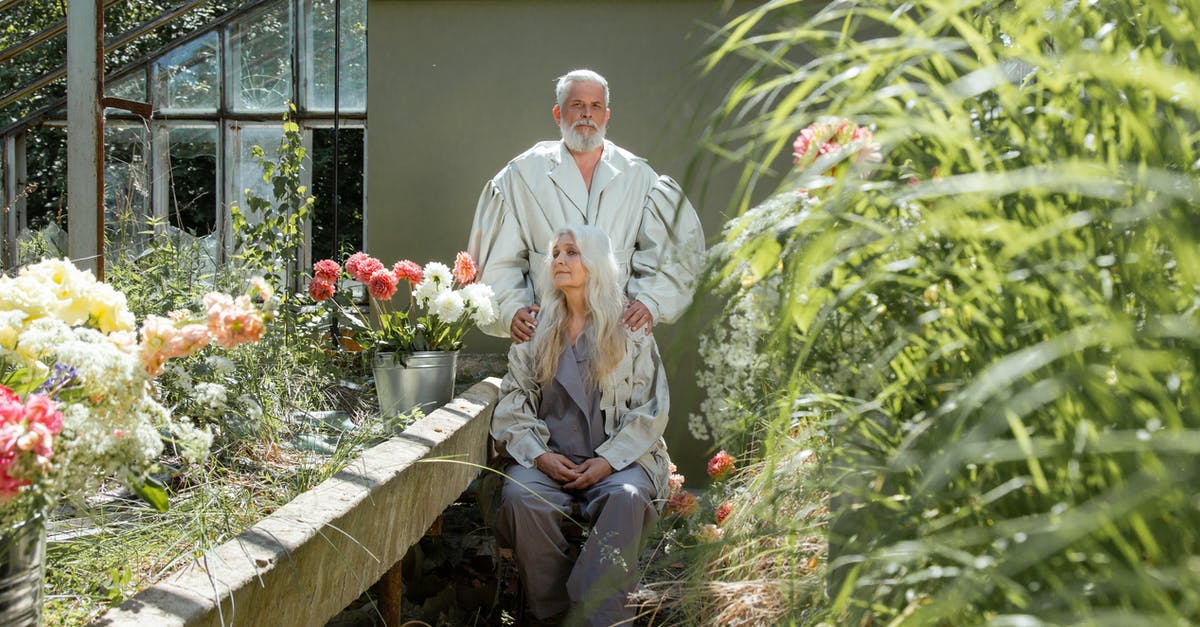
column 998, row 327
column 270, row 235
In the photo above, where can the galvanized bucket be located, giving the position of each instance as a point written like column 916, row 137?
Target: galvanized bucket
column 22, row 568
column 425, row 381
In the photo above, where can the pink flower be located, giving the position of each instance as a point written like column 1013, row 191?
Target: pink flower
column 675, row 482
column 408, row 270
column 321, row 289
column 233, row 322
column 682, row 504
column 723, row 511
column 464, row 268
column 361, row 266
column 381, row 285
column 157, row 333
column 720, row 465
column 327, row 270
column 803, row 142
column 7, row 395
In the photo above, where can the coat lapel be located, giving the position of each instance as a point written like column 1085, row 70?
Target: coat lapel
column 570, row 376
column 605, row 172
column 569, row 181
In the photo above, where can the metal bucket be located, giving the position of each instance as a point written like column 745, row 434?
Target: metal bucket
column 425, row 381
column 22, row 569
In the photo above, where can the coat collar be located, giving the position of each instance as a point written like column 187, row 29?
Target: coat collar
column 566, row 177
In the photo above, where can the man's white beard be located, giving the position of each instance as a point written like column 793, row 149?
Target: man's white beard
column 578, row 142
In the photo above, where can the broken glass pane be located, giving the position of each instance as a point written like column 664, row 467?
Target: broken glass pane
column 187, row 79
column 261, row 71
column 193, row 183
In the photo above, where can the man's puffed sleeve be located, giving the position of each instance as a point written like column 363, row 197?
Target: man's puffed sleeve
column 515, row 425
column 669, row 252
column 640, row 426
column 498, row 247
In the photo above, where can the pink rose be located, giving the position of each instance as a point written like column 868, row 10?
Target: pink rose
column 381, row 285
column 321, row 289
column 408, row 270
column 720, row 465
column 327, row 270
column 464, row 268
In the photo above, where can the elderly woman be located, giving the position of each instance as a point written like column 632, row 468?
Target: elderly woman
column 581, row 413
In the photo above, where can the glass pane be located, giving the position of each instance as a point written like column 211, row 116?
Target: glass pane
column 130, row 87
column 261, row 46
column 187, row 79
column 318, row 65
column 349, row 220
column 193, row 189
column 126, row 184
column 247, row 173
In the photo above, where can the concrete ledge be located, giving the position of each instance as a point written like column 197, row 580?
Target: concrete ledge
column 311, row 558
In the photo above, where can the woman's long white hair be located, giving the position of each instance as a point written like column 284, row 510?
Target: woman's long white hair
column 605, row 303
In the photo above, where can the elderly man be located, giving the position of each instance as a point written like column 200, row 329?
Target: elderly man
column 584, row 178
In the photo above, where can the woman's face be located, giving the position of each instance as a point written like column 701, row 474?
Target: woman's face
column 566, row 265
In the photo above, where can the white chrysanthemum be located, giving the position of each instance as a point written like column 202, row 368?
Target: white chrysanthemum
column 448, row 306
column 481, row 302
column 438, row 273
column 211, row 396
column 426, row 291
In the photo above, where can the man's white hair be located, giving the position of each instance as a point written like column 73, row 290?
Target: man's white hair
column 579, row 76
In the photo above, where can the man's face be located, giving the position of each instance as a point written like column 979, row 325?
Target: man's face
column 583, row 117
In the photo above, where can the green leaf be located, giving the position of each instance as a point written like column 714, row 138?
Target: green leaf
column 152, row 491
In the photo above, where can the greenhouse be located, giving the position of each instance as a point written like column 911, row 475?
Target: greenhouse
column 184, row 116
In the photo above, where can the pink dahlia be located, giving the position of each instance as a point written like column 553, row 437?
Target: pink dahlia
column 361, row 266
column 720, row 465
column 327, row 270
column 321, row 289
column 408, row 270
column 381, row 285
column 464, row 268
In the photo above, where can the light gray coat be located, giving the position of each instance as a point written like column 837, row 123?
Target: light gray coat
column 655, row 233
column 634, row 404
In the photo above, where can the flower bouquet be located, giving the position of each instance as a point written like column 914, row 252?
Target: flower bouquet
column 77, row 396
column 413, row 348
column 443, row 303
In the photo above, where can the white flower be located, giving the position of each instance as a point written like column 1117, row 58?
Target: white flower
column 250, row 407
column 448, row 306
column 438, row 273
column 192, row 443
column 428, row 290
column 221, row 365
column 481, row 302
column 211, row 396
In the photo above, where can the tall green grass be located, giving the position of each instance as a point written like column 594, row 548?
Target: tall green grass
column 997, row 327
